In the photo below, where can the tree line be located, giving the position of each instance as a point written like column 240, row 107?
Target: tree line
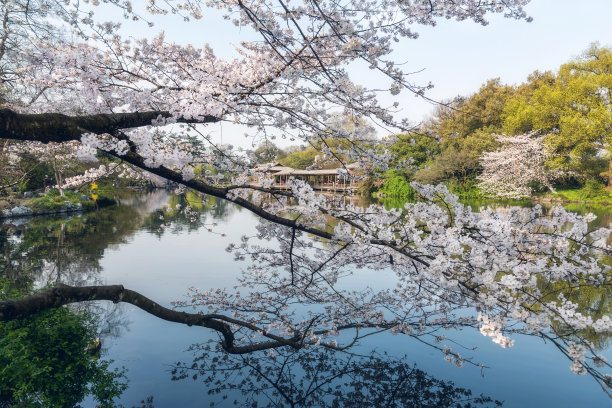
column 569, row 110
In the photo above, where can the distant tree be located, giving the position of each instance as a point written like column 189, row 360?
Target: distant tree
column 267, row 152
column 323, row 152
column 574, row 109
column 300, row 159
column 480, row 111
column 459, row 159
column 465, row 128
column 414, row 149
column 451, row 163
column 511, row 170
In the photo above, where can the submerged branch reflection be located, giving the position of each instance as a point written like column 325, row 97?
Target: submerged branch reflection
column 320, row 377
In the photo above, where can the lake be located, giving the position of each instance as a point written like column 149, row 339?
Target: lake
column 161, row 253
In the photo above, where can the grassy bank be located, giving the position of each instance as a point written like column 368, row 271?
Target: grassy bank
column 592, row 192
column 53, row 202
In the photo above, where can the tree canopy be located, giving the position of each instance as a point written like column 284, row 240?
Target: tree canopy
column 573, row 107
column 465, row 127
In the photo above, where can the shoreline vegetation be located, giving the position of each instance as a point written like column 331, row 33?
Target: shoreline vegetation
column 52, row 202
column 525, row 141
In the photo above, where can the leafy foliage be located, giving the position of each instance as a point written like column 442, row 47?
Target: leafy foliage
column 52, row 201
column 459, row 159
column 397, row 186
column 267, row 152
column 573, row 106
column 465, row 128
column 300, row 159
column 593, row 189
column 413, row 149
column 480, row 111
column 44, row 361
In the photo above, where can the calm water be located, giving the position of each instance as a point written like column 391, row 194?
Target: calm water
column 127, row 245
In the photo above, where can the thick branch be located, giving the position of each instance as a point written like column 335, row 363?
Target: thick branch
column 56, row 127
column 64, row 295
column 221, row 192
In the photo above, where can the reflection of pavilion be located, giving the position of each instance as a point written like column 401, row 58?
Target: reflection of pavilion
column 341, row 179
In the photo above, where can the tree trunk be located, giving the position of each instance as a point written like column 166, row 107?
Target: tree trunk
column 58, row 177
column 610, row 172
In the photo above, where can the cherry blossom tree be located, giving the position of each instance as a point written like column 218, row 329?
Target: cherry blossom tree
column 60, row 156
column 521, row 160
column 145, row 101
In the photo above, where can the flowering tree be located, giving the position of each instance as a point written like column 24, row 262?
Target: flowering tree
column 508, row 171
column 145, row 101
column 60, row 157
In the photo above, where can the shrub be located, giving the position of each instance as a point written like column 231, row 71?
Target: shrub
column 592, row 189
column 397, row 186
column 44, row 361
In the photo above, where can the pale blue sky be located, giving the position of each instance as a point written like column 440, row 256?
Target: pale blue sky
column 457, row 57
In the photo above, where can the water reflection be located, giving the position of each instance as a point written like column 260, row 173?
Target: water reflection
column 66, row 250
column 591, row 300
column 71, row 250
column 51, row 250
column 319, row 377
column 44, row 359
column 186, row 213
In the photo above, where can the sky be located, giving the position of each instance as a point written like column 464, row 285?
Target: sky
column 456, row 57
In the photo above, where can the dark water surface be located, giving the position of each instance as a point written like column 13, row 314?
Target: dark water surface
column 128, row 245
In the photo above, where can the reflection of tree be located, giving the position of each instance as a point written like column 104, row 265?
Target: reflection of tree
column 187, row 212
column 296, row 293
column 64, row 250
column 45, row 361
column 111, row 318
column 590, row 300
column 69, row 250
column 319, row 377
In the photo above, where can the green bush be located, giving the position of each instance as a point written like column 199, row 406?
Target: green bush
column 397, row 186
column 592, row 190
column 45, row 362
column 53, row 201
column 467, row 189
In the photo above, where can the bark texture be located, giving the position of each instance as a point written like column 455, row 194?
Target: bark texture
column 56, row 127
column 64, row 295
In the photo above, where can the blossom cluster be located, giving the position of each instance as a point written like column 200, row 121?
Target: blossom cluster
column 508, row 171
